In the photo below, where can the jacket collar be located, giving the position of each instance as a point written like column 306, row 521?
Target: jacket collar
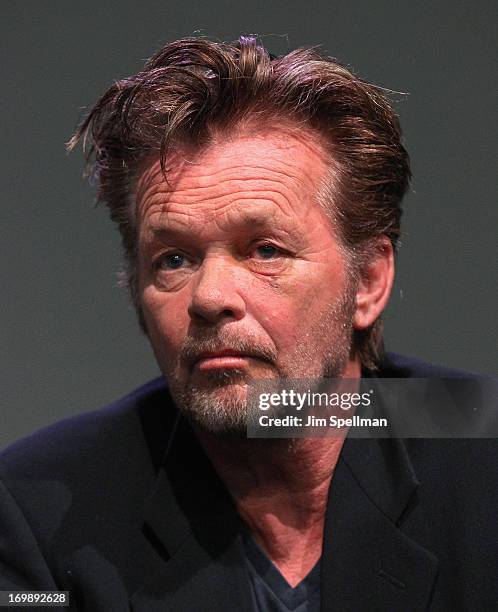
column 367, row 562
column 192, row 523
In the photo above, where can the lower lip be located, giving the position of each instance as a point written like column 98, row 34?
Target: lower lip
column 225, row 362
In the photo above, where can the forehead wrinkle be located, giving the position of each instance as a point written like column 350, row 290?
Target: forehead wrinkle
column 287, row 179
column 188, row 170
column 263, row 215
column 240, row 173
column 166, row 223
column 184, row 202
column 228, row 189
column 153, row 177
column 228, row 186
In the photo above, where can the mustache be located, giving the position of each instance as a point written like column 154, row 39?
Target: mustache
column 195, row 345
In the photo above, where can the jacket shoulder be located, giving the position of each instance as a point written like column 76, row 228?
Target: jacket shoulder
column 78, row 487
column 90, row 436
column 401, row 366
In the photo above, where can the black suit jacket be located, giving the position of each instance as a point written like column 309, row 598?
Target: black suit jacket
column 122, row 508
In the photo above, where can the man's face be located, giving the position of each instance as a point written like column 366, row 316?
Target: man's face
column 241, row 274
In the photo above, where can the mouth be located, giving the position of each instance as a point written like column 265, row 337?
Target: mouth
column 222, row 359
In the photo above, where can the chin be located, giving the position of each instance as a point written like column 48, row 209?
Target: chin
column 217, row 406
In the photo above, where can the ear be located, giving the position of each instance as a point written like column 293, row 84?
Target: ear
column 375, row 284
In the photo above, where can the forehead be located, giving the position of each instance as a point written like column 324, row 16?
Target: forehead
column 275, row 173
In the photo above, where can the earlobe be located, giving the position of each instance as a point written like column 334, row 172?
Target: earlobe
column 375, row 284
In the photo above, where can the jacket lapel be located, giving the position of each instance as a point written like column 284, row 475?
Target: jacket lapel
column 191, row 522
column 368, row 563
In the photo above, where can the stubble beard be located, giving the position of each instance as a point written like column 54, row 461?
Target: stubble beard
column 219, row 405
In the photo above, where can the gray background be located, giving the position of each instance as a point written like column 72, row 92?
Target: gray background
column 69, row 338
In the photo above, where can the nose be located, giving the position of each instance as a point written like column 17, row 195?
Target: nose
column 217, row 292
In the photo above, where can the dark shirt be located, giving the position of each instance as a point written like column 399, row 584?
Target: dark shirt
column 271, row 592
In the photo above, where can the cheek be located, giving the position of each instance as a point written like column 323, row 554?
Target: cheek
column 288, row 313
column 166, row 317
column 283, row 312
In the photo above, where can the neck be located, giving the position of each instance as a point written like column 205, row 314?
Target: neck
column 280, row 488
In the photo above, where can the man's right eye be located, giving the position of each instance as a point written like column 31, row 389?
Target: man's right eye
column 171, row 261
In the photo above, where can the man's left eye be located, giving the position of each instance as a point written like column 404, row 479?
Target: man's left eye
column 267, row 251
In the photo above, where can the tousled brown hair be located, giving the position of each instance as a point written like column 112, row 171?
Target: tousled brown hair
column 194, row 89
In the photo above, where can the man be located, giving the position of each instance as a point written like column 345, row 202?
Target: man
column 258, row 199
